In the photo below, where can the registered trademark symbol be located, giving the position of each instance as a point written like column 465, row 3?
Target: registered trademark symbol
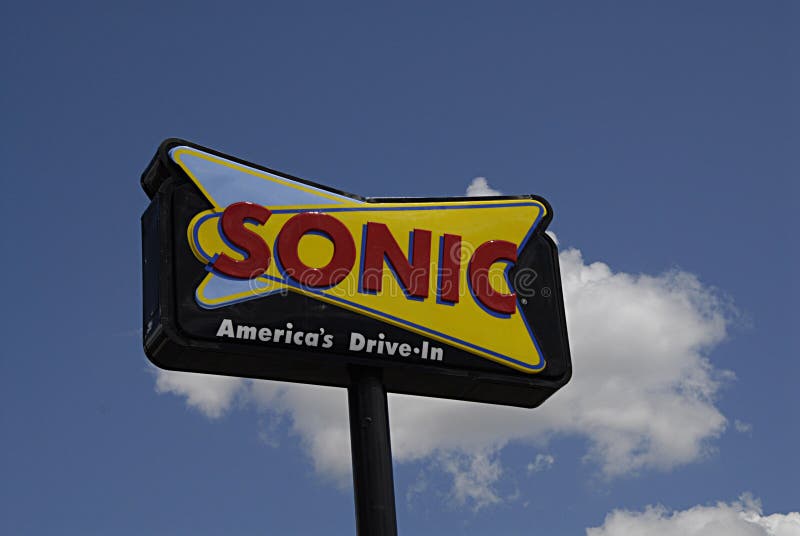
column 545, row 292
column 524, row 301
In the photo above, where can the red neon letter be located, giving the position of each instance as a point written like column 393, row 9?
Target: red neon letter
column 344, row 249
column 256, row 251
column 449, row 268
column 482, row 260
column 413, row 274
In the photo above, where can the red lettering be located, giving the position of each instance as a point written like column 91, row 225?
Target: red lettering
column 413, row 273
column 344, row 249
column 482, row 260
column 256, row 251
column 449, row 268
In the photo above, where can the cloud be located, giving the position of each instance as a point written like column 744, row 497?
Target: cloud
column 643, row 391
column 471, row 480
column 474, row 478
column 212, row 395
column 742, row 427
column 541, row 463
column 419, row 486
column 740, row 518
column 318, row 417
column 479, row 187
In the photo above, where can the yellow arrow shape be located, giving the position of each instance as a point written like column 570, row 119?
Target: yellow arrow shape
column 465, row 324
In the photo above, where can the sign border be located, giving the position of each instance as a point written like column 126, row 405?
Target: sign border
column 163, row 171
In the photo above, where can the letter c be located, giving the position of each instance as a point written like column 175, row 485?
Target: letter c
column 482, row 260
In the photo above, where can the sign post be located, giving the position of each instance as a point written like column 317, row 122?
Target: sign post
column 373, row 484
column 252, row 272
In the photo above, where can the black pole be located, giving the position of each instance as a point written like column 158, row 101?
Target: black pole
column 373, row 484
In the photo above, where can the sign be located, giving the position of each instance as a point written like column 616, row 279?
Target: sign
column 252, row 272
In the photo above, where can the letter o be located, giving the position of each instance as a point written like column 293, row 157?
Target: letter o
column 344, row 249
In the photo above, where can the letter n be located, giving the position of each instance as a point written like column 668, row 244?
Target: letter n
column 412, row 273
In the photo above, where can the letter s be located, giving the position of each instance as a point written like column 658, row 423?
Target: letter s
column 255, row 250
column 327, row 341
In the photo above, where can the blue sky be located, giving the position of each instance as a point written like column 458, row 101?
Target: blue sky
column 663, row 134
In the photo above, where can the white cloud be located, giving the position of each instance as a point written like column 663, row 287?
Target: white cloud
column 474, row 477
column 319, row 418
column 742, row 427
column 642, row 391
column 213, row 395
column 541, row 463
column 419, row 486
column 471, row 479
column 479, row 187
column 740, row 518
column 642, row 394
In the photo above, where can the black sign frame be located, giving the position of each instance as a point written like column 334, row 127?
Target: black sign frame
column 171, row 318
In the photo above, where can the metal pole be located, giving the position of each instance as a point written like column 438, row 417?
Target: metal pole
column 373, row 484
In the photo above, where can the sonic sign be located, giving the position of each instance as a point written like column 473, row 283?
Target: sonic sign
column 251, row 272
